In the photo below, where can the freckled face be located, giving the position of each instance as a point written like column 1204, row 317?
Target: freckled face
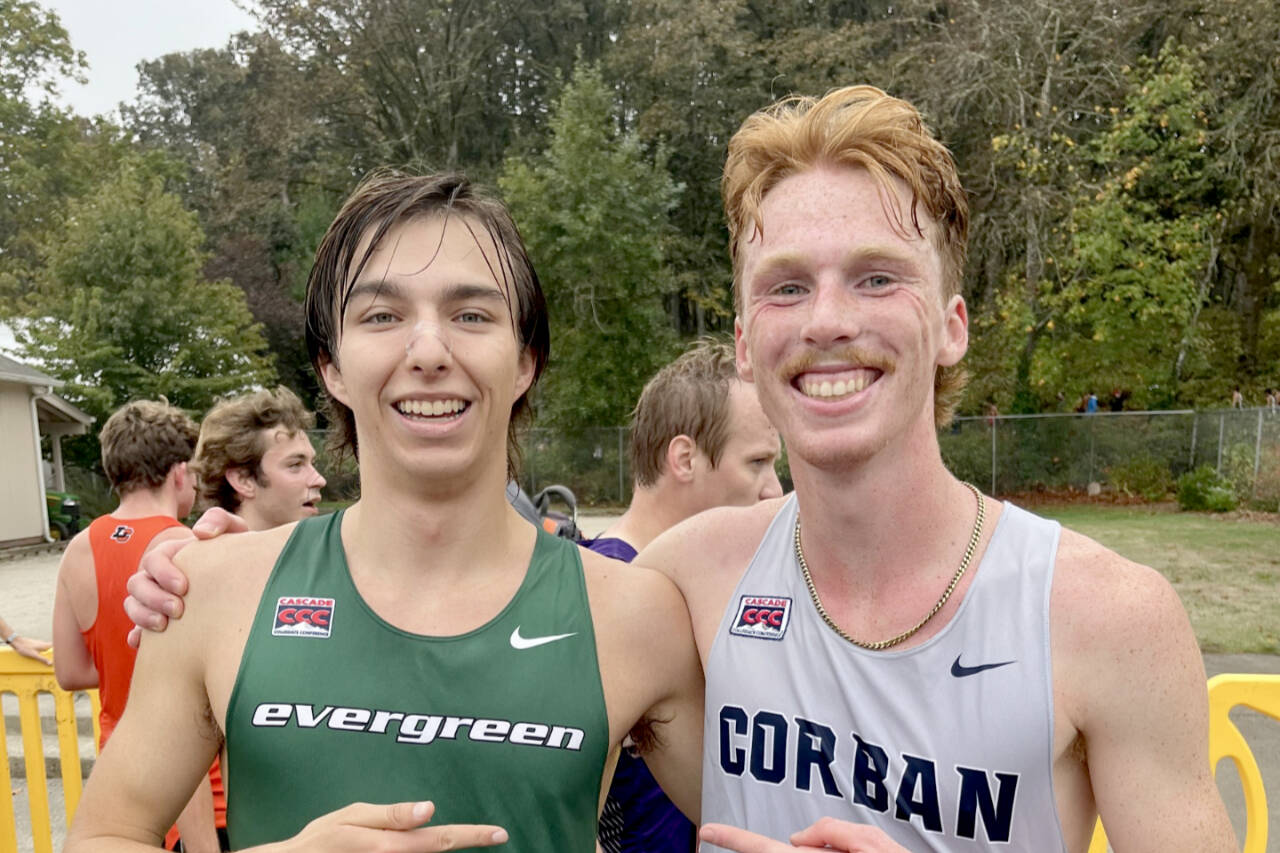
column 428, row 360
column 843, row 321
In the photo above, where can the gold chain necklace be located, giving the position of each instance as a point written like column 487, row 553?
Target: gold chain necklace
column 951, row 587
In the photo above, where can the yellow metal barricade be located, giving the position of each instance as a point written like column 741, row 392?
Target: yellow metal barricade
column 26, row 680
column 1262, row 694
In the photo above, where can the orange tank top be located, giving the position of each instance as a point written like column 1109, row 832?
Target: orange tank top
column 117, row 545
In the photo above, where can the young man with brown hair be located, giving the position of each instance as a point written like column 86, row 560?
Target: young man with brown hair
column 254, row 459
column 427, row 642
column 146, row 446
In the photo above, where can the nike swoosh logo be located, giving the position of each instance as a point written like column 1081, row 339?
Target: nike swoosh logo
column 961, row 671
column 518, row 642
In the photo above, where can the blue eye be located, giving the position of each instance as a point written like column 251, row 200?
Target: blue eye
column 876, row 281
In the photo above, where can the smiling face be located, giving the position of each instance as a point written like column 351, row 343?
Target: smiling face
column 427, row 356
column 843, row 320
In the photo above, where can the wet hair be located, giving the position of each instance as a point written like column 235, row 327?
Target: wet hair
column 382, row 201
column 854, row 127
column 142, row 441
column 690, row 396
column 234, row 435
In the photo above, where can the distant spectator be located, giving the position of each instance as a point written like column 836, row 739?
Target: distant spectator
column 993, row 412
column 1118, row 399
column 1091, row 403
column 1237, row 399
column 24, row 646
column 1272, row 402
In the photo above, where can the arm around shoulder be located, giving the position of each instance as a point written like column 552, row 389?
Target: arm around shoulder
column 1131, row 678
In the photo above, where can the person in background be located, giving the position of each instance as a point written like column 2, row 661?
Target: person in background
column 254, row 459
column 699, row 439
column 146, row 450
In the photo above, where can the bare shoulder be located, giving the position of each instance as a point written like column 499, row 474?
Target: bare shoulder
column 627, row 591
column 77, row 558
column 228, row 566
column 1095, row 588
column 1118, row 629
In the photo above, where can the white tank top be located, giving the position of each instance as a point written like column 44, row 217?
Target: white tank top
column 946, row 746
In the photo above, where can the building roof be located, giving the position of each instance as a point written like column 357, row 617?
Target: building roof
column 16, row 371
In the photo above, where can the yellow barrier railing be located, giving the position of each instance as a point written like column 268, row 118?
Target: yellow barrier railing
column 26, row 680
column 1262, row 694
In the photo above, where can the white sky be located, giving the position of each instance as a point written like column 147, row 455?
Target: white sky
column 116, row 35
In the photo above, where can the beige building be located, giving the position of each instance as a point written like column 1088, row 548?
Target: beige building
column 29, row 409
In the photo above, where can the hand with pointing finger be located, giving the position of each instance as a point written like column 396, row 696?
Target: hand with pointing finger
column 826, row 834
column 395, row 828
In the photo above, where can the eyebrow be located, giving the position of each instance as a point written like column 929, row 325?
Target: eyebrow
column 391, row 289
column 868, row 254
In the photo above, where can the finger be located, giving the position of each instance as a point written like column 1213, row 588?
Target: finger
column 217, row 521
column 843, row 835
column 143, row 616
column 135, row 633
column 457, row 836
column 386, row 816
column 733, row 838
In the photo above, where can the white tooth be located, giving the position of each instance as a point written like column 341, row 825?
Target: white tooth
column 825, row 389
column 455, row 406
column 418, row 408
column 839, row 388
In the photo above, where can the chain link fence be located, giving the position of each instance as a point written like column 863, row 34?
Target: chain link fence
column 1004, row 454
column 1014, row 453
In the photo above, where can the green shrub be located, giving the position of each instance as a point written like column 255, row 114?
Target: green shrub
column 1204, row 489
column 1142, row 475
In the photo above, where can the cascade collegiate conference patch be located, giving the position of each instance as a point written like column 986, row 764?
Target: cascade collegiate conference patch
column 303, row 616
column 762, row 616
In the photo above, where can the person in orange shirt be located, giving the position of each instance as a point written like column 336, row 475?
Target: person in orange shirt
column 146, row 446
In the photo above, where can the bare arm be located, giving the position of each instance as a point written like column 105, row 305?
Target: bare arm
column 24, row 646
column 196, row 823
column 73, row 666
column 1135, row 689
column 672, row 661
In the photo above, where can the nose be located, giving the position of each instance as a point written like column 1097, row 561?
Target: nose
column 832, row 317
column 428, row 347
column 771, row 487
column 317, row 480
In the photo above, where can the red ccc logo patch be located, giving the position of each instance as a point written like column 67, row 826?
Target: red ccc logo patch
column 762, row 616
column 303, row 616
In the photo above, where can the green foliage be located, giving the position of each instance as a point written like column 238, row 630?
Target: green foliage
column 1204, row 489
column 1145, row 475
column 123, row 311
column 593, row 209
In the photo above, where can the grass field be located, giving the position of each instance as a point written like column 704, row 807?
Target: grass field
column 1226, row 568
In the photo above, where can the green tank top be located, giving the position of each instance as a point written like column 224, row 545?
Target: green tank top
column 332, row 705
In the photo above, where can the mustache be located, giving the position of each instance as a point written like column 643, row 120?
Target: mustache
column 809, row 359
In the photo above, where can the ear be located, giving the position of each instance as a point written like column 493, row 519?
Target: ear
column 332, row 378
column 181, row 475
column 741, row 356
column 682, row 453
column 524, row 373
column 955, row 332
column 243, row 482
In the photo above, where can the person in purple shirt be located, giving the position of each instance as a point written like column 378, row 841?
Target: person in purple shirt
column 699, row 439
